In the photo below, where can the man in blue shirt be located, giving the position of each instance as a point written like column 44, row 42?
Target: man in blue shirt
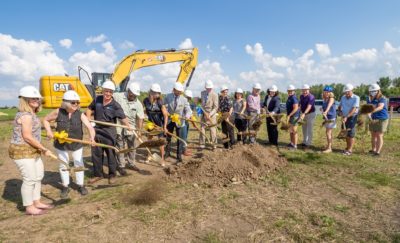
column 293, row 115
column 349, row 104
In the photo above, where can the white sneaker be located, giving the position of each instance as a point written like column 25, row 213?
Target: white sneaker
column 202, row 146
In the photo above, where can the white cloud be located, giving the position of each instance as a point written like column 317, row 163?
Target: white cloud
column 225, row 49
column 186, row 44
column 96, row 39
column 95, row 61
column 126, row 45
column 67, row 43
column 365, row 65
column 23, row 62
column 323, row 50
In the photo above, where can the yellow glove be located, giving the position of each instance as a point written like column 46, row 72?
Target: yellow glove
column 149, row 126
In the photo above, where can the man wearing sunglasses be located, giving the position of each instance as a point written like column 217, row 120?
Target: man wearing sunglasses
column 104, row 108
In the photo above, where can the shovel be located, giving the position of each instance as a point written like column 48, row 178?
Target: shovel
column 146, row 144
column 343, row 132
column 154, row 156
column 72, row 170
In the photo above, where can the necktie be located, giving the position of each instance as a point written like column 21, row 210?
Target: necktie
column 176, row 102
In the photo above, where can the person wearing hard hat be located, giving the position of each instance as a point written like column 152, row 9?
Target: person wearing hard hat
column 226, row 106
column 26, row 150
column 239, row 108
column 253, row 109
column 379, row 117
column 271, row 105
column 209, row 106
column 134, row 111
column 189, row 96
column 349, row 105
column 156, row 112
column 176, row 103
column 329, row 115
column 105, row 109
column 307, row 108
column 292, row 115
column 70, row 119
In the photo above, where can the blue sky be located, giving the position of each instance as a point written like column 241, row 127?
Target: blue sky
column 358, row 41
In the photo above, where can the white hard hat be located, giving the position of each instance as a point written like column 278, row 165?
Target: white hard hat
column 291, row 87
column 348, row 87
column 305, row 86
column 209, row 84
column 257, row 86
column 29, row 92
column 189, row 93
column 239, row 90
column 374, row 87
column 273, row 88
column 108, row 84
column 155, row 88
column 134, row 88
column 178, row 86
column 224, row 87
column 71, row 95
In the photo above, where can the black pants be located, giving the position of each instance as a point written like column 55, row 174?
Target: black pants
column 272, row 132
column 241, row 125
column 98, row 154
column 229, row 132
column 179, row 131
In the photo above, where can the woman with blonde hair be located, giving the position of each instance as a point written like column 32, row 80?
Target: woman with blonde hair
column 379, row 118
column 329, row 116
column 70, row 119
column 25, row 149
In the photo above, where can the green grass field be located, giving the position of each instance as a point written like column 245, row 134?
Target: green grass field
column 316, row 198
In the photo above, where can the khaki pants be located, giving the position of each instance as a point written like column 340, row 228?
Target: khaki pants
column 213, row 131
column 307, row 128
column 32, row 173
column 129, row 157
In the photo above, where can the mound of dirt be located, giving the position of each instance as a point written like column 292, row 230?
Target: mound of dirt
column 220, row 168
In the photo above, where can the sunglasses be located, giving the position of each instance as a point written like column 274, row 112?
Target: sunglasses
column 34, row 99
column 74, row 102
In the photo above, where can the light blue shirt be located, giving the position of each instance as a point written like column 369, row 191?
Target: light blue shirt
column 348, row 103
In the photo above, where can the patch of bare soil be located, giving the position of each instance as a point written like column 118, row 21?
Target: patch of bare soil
column 223, row 167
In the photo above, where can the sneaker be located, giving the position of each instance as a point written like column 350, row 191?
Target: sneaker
column 64, row 192
column 293, row 148
column 133, row 167
column 202, row 146
column 347, row 153
column 376, row 154
column 82, row 190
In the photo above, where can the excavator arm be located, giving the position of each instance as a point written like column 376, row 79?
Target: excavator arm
column 140, row 59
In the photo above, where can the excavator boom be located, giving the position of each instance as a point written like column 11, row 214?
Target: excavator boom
column 142, row 59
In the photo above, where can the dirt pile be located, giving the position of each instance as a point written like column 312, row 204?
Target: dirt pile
column 223, row 167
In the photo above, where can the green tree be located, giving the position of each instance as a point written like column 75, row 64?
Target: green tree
column 396, row 82
column 384, row 83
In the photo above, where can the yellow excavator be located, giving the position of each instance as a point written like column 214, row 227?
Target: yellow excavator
column 52, row 88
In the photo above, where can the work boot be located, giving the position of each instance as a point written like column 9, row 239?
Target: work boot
column 82, row 190
column 64, row 192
